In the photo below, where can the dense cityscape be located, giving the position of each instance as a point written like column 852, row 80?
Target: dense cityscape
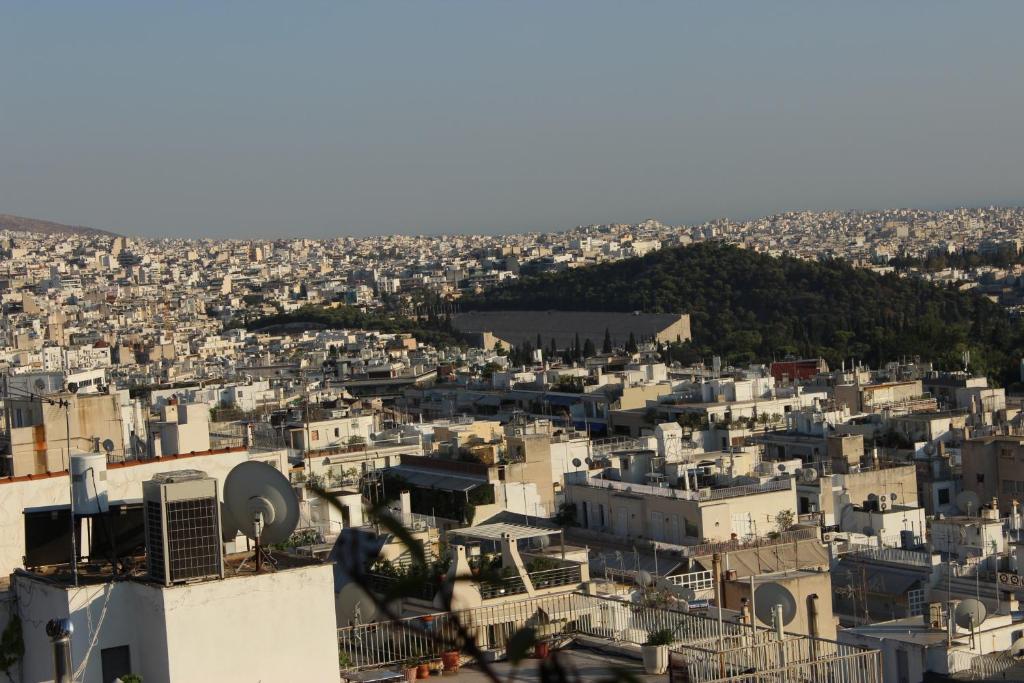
column 511, row 342
column 464, row 487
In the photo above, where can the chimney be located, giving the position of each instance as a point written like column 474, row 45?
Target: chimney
column 406, row 500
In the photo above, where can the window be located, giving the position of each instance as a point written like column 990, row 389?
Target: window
column 116, row 662
column 915, row 602
column 980, row 478
column 337, row 433
column 315, row 437
column 943, row 496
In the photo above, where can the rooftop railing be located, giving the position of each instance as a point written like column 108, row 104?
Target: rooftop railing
column 695, row 495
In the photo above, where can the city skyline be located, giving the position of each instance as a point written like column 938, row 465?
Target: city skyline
column 493, row 119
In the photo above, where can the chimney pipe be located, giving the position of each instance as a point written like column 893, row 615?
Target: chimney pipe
column 60, row 631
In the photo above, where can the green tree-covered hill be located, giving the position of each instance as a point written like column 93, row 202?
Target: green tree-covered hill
column 750, row 306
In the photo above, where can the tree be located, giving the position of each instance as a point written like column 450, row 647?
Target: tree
column 576, row 348
column 606, row 346
column 588, row 349
column 631, row 346
column 553, row 349
column 784, row 520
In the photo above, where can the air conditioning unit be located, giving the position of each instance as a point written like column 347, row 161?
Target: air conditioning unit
column 828, row 537
column 183, row 527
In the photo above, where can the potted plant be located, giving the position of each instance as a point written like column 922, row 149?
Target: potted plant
column 655, row 651
column 409, row 668
column 423, row 670
column 451, row 659
column 541, row 649
column 436, row 666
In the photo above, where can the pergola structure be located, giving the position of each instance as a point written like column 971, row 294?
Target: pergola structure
column 500, row 530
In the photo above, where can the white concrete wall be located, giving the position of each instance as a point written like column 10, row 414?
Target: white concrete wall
column 278, row 626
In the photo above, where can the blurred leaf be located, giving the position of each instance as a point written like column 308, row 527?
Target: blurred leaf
column 520, row 643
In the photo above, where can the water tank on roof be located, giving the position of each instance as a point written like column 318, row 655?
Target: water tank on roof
column 89, row 482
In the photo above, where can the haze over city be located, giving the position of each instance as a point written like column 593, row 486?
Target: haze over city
column 243, row 120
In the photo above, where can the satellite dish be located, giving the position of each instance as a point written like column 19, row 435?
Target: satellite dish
column 228, row 525
column 767, row 596
column 108, row 446
column 872, row 496
column 576, row 462
column 782, row 467
column 355, row 605
column 73, row 387
column 261, row 501
column 40, row 384
column 970, row 613
column 968, row 502
column 543, row 541
column 589, row 461
column 684, row 593
column 1017, row 647
column 929, row 448
column 809, row 474
column 893, row 496
column 643, row 578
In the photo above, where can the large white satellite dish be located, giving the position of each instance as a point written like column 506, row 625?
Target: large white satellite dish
column 767, row 595
column 260, row 501
column 970, row 613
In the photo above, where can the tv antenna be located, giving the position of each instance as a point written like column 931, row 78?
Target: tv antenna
column 259, row 502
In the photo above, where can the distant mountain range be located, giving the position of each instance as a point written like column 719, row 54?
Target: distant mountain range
column 22, row 224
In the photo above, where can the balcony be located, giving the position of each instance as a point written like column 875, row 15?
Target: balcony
column 703, row 649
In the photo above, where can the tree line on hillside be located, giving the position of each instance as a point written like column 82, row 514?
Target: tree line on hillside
column 431, row 329
column 751, row 307
column 1003, row 256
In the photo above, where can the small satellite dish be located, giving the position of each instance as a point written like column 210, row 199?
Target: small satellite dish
column 589, row 461
column 872, row 496
column 1017, row 647
column 767, row 595
column 893, row 496
column 543, row 541
column 73, row 387
column 643, row 578
column 40, row 384
column 261, row 501
column 929, row 448
column 968, row 502
column 970, row 613
column 108, row 446
column 576, row 462
column 782, row 467
column 684, row 593
column 809, row 475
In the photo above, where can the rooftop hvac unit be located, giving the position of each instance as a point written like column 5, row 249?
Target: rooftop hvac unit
column 183, row 527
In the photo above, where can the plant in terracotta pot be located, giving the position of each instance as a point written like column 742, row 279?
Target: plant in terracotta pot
column 451, row 659
column 655, row 651
column 423, row 670
column 410, row 668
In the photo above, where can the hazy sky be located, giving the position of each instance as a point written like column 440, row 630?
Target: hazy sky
column 325, row 118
